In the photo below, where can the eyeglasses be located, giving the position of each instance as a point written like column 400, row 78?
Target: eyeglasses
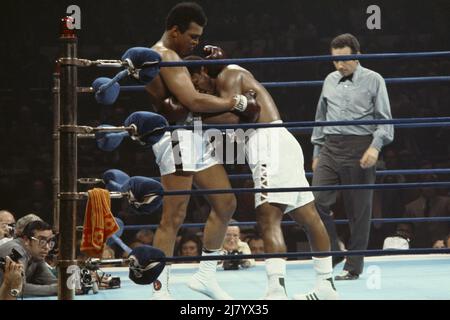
column 230, row 235
column 44, row 242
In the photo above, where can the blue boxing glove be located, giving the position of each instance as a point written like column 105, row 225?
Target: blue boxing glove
column 109, row 141
column 114, row 179
column 150, row 127
column 108, row 94
column 145, row 194
column 143, row 267
column 143, row 62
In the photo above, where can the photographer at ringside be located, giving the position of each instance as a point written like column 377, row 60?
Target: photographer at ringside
column 33, row 245
column 233, row 245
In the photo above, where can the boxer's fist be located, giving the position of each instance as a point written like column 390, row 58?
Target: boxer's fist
column 173, row 110
column 247, row 107
column 214, row 53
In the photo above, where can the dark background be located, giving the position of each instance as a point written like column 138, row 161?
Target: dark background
column 251, row 28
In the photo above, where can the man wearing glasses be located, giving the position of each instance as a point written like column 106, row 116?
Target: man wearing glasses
column 34, row 245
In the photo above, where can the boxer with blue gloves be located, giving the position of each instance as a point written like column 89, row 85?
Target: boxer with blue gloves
column 184, row 27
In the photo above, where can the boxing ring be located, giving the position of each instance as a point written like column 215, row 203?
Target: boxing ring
column 412, row 274
column 419, row 277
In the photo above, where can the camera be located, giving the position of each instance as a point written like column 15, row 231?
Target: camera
column 87, row 282
column 114, row 283
column 96, row 279
column 232, row 264
column 14, row 256
column 107, row 281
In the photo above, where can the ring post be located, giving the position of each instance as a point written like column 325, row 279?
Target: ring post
column 68, row 160
column 56, row 151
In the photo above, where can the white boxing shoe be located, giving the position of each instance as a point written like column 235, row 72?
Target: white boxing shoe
column 209, row 287
column 324, row 290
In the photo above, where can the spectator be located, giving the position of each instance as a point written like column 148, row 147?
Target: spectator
column 108, row 253
column 386, row 204
column 249, row 232
column 23, row 222
column 145, row 236
column 233, row 245
column 256, row 244
column 190, row 245
column 34, row 245
column 428, row 204
column 51, row 260
column 7, row 225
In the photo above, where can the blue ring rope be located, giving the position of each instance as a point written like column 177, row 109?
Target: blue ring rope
column 121, row 244
column 378, row 173
column 293, row 223
column 398, row 126
column 367, row 253
column 315, row 83
column 411, row 185
column 310, row 124
column 369, row 56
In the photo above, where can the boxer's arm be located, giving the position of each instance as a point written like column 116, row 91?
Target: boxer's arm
column 179, row 83
column 172, row 110
column 229, row 83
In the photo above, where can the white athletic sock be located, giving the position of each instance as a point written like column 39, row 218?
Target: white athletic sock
column 207, row 268
column 205, row 282
column 323, row 267
column 276, row 272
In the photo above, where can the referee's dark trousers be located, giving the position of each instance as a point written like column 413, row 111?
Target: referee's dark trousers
column 339, row 164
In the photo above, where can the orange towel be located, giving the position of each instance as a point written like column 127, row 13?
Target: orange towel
column 99, row 222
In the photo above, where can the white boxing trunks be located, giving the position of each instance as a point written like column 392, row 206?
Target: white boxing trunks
column 276, row 160
column 184, row 150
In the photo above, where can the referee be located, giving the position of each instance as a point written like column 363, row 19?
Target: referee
column 348, row 154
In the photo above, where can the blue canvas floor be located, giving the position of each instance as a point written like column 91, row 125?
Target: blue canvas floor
column 385, row 278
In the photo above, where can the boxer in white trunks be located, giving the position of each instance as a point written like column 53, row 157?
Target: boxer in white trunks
column 276, row 160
